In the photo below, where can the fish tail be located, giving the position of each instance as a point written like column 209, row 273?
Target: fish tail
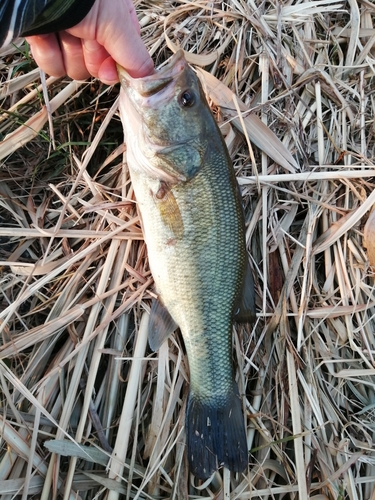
column 216, row 434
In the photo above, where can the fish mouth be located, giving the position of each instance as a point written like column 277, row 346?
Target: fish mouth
column 151, row 85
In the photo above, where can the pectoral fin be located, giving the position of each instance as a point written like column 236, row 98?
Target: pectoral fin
column 169, row 210
column 161, row 325
column 244, row 309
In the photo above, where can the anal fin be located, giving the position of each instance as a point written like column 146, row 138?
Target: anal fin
column 161, row 325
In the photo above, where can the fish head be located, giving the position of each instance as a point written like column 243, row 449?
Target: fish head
column 169, row 118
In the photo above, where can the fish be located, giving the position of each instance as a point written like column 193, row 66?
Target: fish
column 193, row 223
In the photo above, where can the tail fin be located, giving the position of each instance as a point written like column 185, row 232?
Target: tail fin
column 216, row 435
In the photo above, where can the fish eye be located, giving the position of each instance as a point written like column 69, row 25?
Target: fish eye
column 186, row 99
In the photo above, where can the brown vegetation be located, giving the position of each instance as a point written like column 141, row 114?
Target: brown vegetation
column 293, row 86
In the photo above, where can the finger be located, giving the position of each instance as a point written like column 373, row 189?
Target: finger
column 47, row 54
column 72, row 52
column 117, row 30
column 134, row 18
column 108, row 72
column 129, row 51
column 94, row 56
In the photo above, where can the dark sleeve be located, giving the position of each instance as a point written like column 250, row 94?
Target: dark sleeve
column 37, row 17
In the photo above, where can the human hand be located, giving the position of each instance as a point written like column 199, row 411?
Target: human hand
column 109, row 34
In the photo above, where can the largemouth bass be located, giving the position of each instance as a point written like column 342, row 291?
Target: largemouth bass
column 193, row 226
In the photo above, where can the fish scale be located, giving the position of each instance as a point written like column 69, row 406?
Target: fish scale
column 193, row 226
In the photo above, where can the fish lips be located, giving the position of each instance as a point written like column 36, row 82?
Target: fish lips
column 154, row 91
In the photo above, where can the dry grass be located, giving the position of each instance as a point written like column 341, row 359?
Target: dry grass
column 77, row 379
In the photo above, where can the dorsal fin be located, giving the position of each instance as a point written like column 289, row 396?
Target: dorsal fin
column 244, row 309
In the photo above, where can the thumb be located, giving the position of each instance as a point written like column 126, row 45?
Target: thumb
column 121, row 38
column 127, row 49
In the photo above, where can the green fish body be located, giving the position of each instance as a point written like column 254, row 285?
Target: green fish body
column 193, row 226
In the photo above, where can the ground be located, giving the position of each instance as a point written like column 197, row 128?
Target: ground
column 76, row 375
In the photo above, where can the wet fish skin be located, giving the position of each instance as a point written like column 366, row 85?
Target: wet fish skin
column 193, row 225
